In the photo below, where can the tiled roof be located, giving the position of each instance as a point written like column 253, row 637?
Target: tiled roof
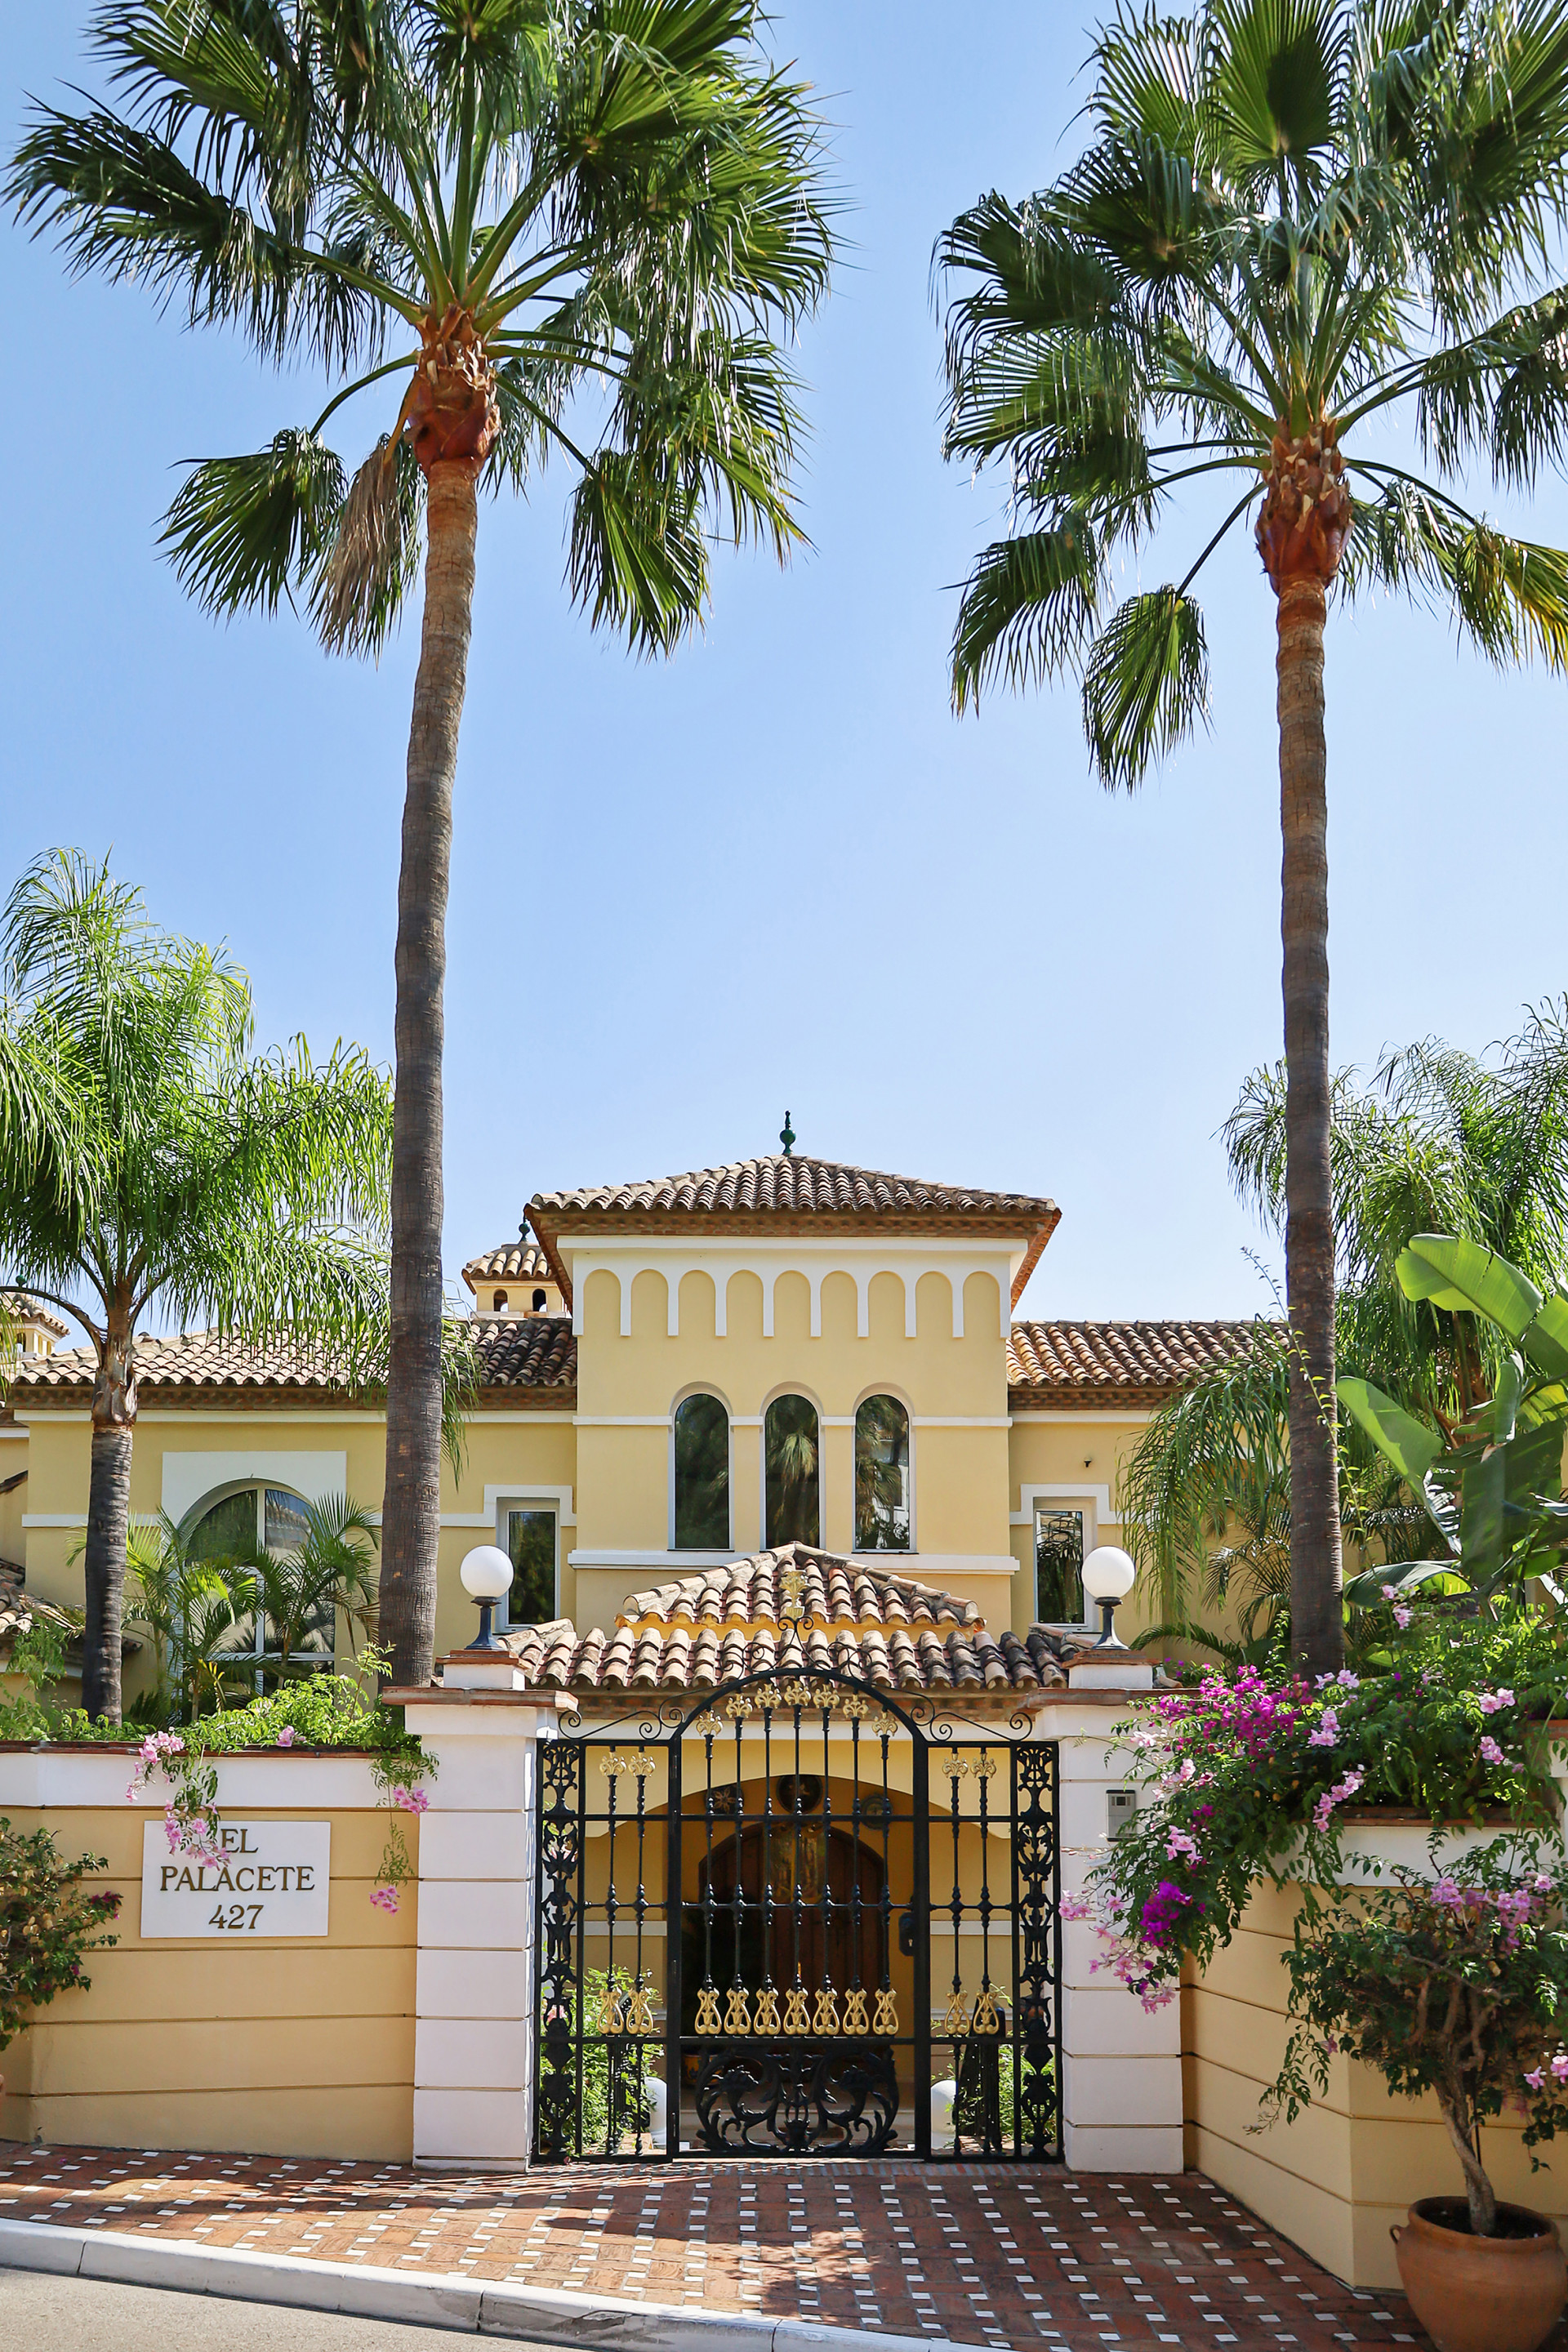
column 556, row 1657
column 795, row 1194
column 519, row 1261
column 536, row 1351
column 20, row 1610
column 749, row 1592
column 793, row 1187
column 1116, row 1363
column 24, row 1308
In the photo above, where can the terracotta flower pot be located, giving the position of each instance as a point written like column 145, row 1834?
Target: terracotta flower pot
column 1482, row 2295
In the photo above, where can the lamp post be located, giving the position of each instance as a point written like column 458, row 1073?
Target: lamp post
column 486, row 1574
column 1108, row 1575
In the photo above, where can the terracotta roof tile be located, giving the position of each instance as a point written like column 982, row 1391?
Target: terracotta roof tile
column 1104, row 1363
column 532, row 1352
column 793, row 1186
column 845, row 1591
column 24, row 1308
column 519, row 1261
column 555, row 1657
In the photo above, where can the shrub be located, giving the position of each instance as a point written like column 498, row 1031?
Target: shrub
column 48, row 1921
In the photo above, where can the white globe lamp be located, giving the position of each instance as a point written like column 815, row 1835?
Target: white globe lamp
column 1108, row 1575
column 486, row 1574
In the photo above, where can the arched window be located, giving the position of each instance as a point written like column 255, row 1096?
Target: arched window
column 791, row 1458
column 230, row 1530
column 701, row 1474
column 498, row 1302
column 539, row 1302
column 881, row 1476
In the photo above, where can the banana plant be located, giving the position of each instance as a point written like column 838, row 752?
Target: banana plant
column 1495, row 1494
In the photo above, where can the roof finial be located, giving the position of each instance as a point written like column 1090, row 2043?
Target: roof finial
column 786, row 1136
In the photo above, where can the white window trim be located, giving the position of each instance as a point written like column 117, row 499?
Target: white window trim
column 762, row 1467
column 526, row 1498
column 1094, row 1502
column 684, row 1398
column 913, row 1545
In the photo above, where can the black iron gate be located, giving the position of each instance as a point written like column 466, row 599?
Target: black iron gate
column 799, row 1918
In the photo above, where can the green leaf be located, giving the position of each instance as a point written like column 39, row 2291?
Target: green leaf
column 1465, row 1276
column 1398, row 1436
column 1028, row 606
column 1145, row 684
column 244, row 531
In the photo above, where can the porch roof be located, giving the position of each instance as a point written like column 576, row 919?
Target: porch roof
column 658, row 1659
column 847, row 1594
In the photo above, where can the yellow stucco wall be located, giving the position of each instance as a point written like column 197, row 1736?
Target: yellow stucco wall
column 1334, row 2180
column 1079, row 1456
column 628, row 1385
column 277, row 2047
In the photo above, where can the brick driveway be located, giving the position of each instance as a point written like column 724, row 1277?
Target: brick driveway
column 988, row 2253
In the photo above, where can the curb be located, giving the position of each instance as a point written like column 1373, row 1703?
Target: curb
column 540, row 2314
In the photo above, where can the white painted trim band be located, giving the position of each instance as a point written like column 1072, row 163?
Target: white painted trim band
column 449, row 2300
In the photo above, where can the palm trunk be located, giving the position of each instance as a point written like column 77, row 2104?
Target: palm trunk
column 108, row 1521
column 1317, row 1618
column 411, row 1508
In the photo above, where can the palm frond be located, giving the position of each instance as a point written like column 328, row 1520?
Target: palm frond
column 1145, row 684
column 247, row 532
column 1029, row 607
column 371, row 560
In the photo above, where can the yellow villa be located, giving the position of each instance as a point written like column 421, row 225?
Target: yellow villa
column 677, row 1375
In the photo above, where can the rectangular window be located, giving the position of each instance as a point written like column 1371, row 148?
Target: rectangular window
column 531, row 1547
column 1058, row 1565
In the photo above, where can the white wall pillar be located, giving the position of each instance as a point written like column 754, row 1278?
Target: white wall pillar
column 476, row 1999
column 1121, row 2091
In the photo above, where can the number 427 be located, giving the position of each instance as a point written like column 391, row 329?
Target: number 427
column 234, row 1916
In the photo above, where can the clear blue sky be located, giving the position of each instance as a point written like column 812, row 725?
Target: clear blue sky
column 774, row 870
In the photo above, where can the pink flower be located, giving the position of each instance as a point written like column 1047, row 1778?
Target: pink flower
column 1447, row 1896
column 1327, row 1732
column 1494, row 1702
column 1075, row 1906
column 1336, row 1796
column 1388, row 1590
column 1560, row 2067
column 1538, row 2080
column 413, row 1801
column 1543, row 1884
column 385, row 1899
column 1401, row 1618
column 1179, row 1844
column 1490, row 1752
column 288, row 1736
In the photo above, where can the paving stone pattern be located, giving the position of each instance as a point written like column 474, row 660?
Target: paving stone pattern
column 988, row 2253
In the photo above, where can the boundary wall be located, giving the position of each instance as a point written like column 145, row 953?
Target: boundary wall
column 274, row 2046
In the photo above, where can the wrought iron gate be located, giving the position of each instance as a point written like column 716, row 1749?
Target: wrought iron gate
column 799, row 1918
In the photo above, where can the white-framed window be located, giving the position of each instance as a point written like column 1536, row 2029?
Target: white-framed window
column 528, row 1532
column 791, row 1474
column 1067, row 1529
column 883, row 1498
column 233, row 1525
column 700, row 1475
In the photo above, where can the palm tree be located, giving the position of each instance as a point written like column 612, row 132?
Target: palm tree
column 1439, row 1140
column 298, row 1592
column 1307, row 236
column 190, row 1608
column 148, row 1164
column 585, row 225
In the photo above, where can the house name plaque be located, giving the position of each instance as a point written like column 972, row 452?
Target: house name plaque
column 273, row 1880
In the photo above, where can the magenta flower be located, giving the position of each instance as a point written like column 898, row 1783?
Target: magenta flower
column 385, row 1899
column 413, row 1801
column 288, row 1736
column 1490, row 1752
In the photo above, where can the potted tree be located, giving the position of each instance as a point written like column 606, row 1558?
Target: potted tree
column 1456, row 1984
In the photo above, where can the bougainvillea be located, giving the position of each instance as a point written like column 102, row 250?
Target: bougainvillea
column 48, row 1921
column 1455, row 1984
column 1245, row 1776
